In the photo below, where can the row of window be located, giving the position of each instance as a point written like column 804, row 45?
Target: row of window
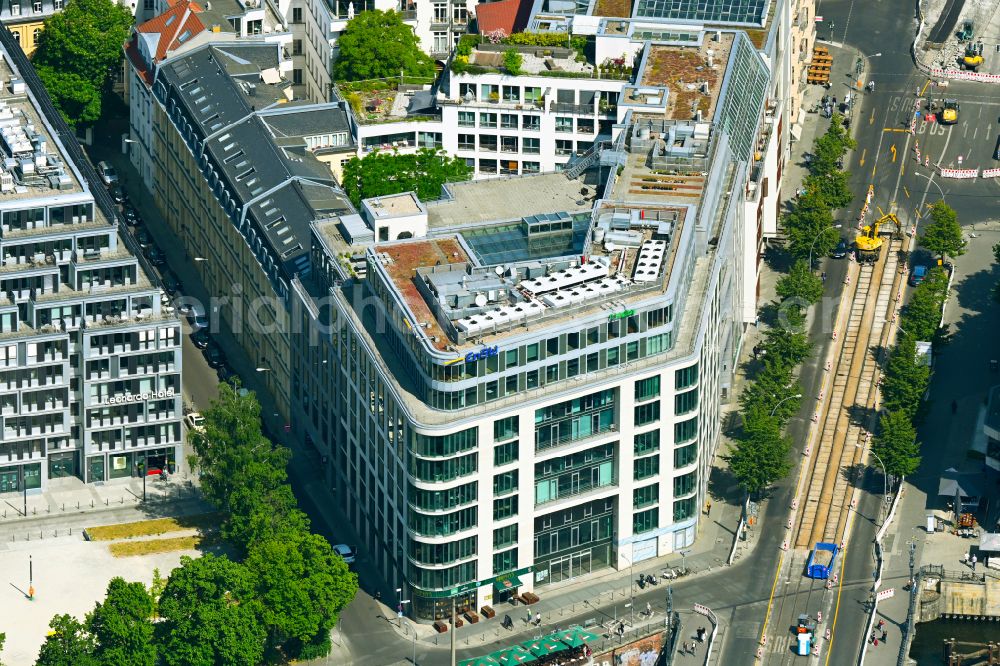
column 647, row 520
column 528, row 122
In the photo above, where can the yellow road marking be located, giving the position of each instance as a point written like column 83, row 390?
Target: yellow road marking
column 836, row 609
column 906, row 192
column 871, row 121
column 864, row 152
column 893, row 149
column 927, row 83
column 873, row 170
column 895, row 129
column 770, row 601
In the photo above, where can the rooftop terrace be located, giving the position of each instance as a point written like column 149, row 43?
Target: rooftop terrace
column 692, row 74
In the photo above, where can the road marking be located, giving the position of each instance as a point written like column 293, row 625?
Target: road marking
column 871, row 121
column 873, row 170
column 893, row 149
column 840, row 588
column 770, row 601
column 906, row 192
column 895, row 129
column 864, row 152
column 922, row 90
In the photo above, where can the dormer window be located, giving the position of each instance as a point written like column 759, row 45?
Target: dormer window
column 36, row 6
column 15, row 9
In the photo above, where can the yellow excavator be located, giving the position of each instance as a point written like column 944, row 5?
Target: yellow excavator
column 868, row 244
column 973, row 56
column 948, row 114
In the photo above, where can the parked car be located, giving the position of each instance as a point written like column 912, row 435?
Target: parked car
column 142, row 237
column 197, row 317
column 170, row 282
column 117, row 193
column 201, row 339
column 195, row 421
column 917, row 275
column 107, row 173
column 841, row 250
column 214, row 356
column 345, row 552
column 131, row 216
column 155, row 256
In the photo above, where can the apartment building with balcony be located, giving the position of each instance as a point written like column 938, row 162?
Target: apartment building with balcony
column 240, row 173
column 522, row 383
column 90, row 360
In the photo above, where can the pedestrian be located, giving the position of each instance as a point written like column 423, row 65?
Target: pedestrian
column 621, row 630
column 508, row 623
column 881, row 623
column 974, row 560
column 684, row 647
column 649, row 610
column 885, row 635
column 822, row 276
column 538, row 619
column 527, row 618
column 847, row 123
column 876, row 642
column 378, row 595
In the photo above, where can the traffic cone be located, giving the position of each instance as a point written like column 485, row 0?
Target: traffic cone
column 795, row 504
column 819, row 616
column 828, row 366
column 789, row 524
column 835, row 335
column 815, row 418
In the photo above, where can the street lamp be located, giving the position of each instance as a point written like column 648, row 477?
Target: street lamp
column 631, row 594
column 797, row 395
column 838, row 225
column 199, row 259
column 263, row 369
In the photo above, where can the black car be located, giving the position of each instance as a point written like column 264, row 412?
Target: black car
column 201, row 339
column 214, row 356
column 142, row 237
column 155, row 256
column 117, row 193
column 170, row 283
column 131, row 216
column 841, row 250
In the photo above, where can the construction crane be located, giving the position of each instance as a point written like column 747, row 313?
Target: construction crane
column 973, row 56
column 868, row 244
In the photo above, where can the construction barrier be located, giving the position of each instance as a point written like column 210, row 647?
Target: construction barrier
column 966, row 76
column 960, row 173
column 991, row 173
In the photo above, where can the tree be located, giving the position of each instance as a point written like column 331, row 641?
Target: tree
column 760, row 455
column 382, row 173
column 68, row 644
column 807, row 226
column 232, row 453
column 303, row 585
column 922, row 315
column 801, row 283
column 77, row 51
column 905, row 380
column 122, row 625
column 896, row 444
column 378, row 45
column 513, row 61
column 788, row 346
column 943, row 236
column 772, row 390
column 262, row 514
column 211, row 615
column 834, row 187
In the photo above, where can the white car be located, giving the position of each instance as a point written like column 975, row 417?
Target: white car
column 345, row 552
column 195, row 421
column 107, row 173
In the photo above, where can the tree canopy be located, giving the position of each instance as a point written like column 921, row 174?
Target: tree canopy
column 77, row 51
column 377, row 44
column 68, row 644
column 905, row 380
column 801, row 283
column 761, row 455
column 943, row 235
column 381, row 173
column 122, row 625
column 896, row 444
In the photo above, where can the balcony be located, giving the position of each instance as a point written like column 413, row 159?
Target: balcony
column 576, row 438
column 579, row 109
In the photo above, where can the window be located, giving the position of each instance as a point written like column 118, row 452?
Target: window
column 647, row 388
column 296, row 77
column 643, row 468
column 532, row 94
column 505, row 507
column 511, row 94
column 255, row 27
column 564, row 147
column 647, row 442
column 440, row 42
column 531, row 352
column 505, row 429
column 297, row 15
column 531, row 123
column 685, row 431
column 685, row 377
column 466, row 119
column 647, row 413
column 459, row 13
column 508, row 120
column 488, row 120
column 444, row 445
column 504, row 536
column 686, row 402
column 505, row 561
column 508, row 144
column 466, row 141
column 36, row 6
column 645, row 496
column 685, row 485
column 440, row 12
column 15, row 10
column 58, row 4
column 564, row 124
column 508, row 167
column 685, row 455
column 585, row 126
column 683, row 509
column 36, row 34
column 532, row 146
column 505, row 482
column 530, row 167
column 488, row 143
column 488, row 166
column 644, row 521
column 296, row 47
column 504, row 453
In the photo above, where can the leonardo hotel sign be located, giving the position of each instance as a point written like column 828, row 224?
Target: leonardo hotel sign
column 128, row 398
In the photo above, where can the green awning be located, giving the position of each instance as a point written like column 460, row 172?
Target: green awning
column 574, row 636
column 512, row 656
column 479, row 661
column 506, row 583
column 543, row 647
